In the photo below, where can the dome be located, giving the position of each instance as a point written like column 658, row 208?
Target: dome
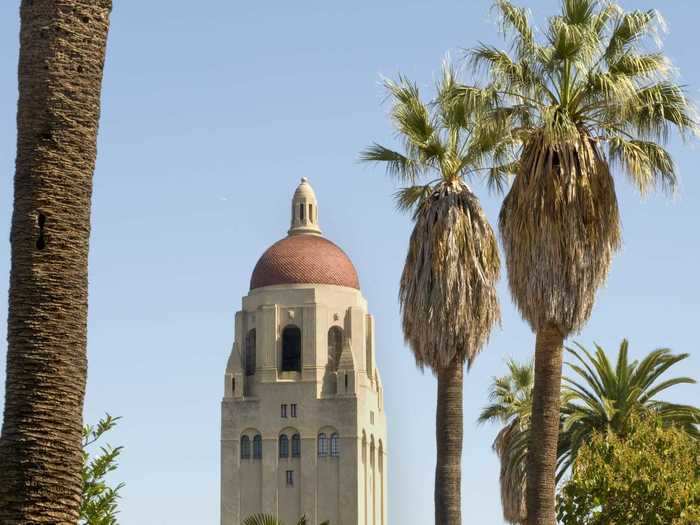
column 304, row 258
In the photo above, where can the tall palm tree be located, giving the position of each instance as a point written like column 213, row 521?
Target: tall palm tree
column 603, row 398
column 510, row 405
column 596, row 398
column 589, row 95
column 447, row 293
column 62, row 51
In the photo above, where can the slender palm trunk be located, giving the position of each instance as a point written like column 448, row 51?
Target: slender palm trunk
column 62, row 49
column 449, row 430
column 544, row 436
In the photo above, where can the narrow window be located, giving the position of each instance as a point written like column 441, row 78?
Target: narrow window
column 371, row 417
column 233, row 385
column 311, row 213
column 293, row 409
column 284, row 446
column 335, row 346
column 346, row 381
column 257, row 447
column 335, row 450
column 322, row 445
column 250, row 353
column 290, row 478
column 245, row 447
column 296, row 446
column 291, row 349
column 283, row 410
column 301, row 211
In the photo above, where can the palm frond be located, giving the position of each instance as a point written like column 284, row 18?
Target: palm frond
column 516, row 19
column 646, row 163
column 397, row 164
column 411, row 197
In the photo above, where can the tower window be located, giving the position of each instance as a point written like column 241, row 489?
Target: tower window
column 293, row 409
column 245, row 447
column 233, row 385
column 250, row 353
column 283, row 410
column 301, row 211
column 290, row 478
column 322, row 445
column 346, row 381
column 296, row 446
column 291, row 349
column 335, row 346
column 284, row 446
column 371, row 417
column 257, row 447
column 335, row 449
column 311, row 213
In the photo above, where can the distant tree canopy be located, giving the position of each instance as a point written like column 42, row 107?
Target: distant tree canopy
column 651, row 476
column 99, row 501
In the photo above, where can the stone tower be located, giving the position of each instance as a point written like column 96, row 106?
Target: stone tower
column 303, row 429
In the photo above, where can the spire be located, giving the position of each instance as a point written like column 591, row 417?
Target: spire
column 304, row 210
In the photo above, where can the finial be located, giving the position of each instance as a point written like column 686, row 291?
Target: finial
column 304, row 210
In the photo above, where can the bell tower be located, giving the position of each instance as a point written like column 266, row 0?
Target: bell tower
column 303, row 423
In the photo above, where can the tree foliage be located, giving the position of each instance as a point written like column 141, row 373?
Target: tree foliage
column 99, row 501
column 596, row 397
column 648, row 476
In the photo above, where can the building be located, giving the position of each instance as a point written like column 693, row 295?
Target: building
column 303, row 423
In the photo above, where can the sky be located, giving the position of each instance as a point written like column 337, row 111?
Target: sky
column 211, row 113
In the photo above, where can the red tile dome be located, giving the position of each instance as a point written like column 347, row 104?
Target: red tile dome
column 305, row 258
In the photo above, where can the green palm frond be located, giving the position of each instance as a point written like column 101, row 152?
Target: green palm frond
column 605, row 398
column 646, row 163
column 411, row 197
column 397, row 164
column 517, row 19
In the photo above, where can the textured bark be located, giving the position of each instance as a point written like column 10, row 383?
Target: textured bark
column 544, row 435
column 62, row 49
column 449, row 430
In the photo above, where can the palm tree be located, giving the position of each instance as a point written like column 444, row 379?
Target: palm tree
column 269, row 519
column 510, row 405
column 595, row 398
column 62, row 51
column 447, row 293
column 589, row 96
column 605, row 399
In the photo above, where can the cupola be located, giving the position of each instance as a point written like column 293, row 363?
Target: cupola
column 304, row 210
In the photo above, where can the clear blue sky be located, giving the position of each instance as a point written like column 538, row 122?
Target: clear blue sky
column 212, row 111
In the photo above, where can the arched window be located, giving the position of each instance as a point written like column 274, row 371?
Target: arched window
column 257, row 447
column 296, row 446
column 284, row 446
column 245, row 447
column 250, row 353
column 335, row 346
column 291, row 349
column 335, row 448
column 322, row 445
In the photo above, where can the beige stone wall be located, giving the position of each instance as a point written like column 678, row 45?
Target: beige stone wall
column 349, row 489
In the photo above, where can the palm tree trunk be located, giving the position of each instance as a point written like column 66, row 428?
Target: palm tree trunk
column 62, row 50
column 449, row 430
column 544, row 435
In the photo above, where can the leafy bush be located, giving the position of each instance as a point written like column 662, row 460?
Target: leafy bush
column 651, row 476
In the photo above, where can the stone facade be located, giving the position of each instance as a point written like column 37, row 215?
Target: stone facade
column 303, row 422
